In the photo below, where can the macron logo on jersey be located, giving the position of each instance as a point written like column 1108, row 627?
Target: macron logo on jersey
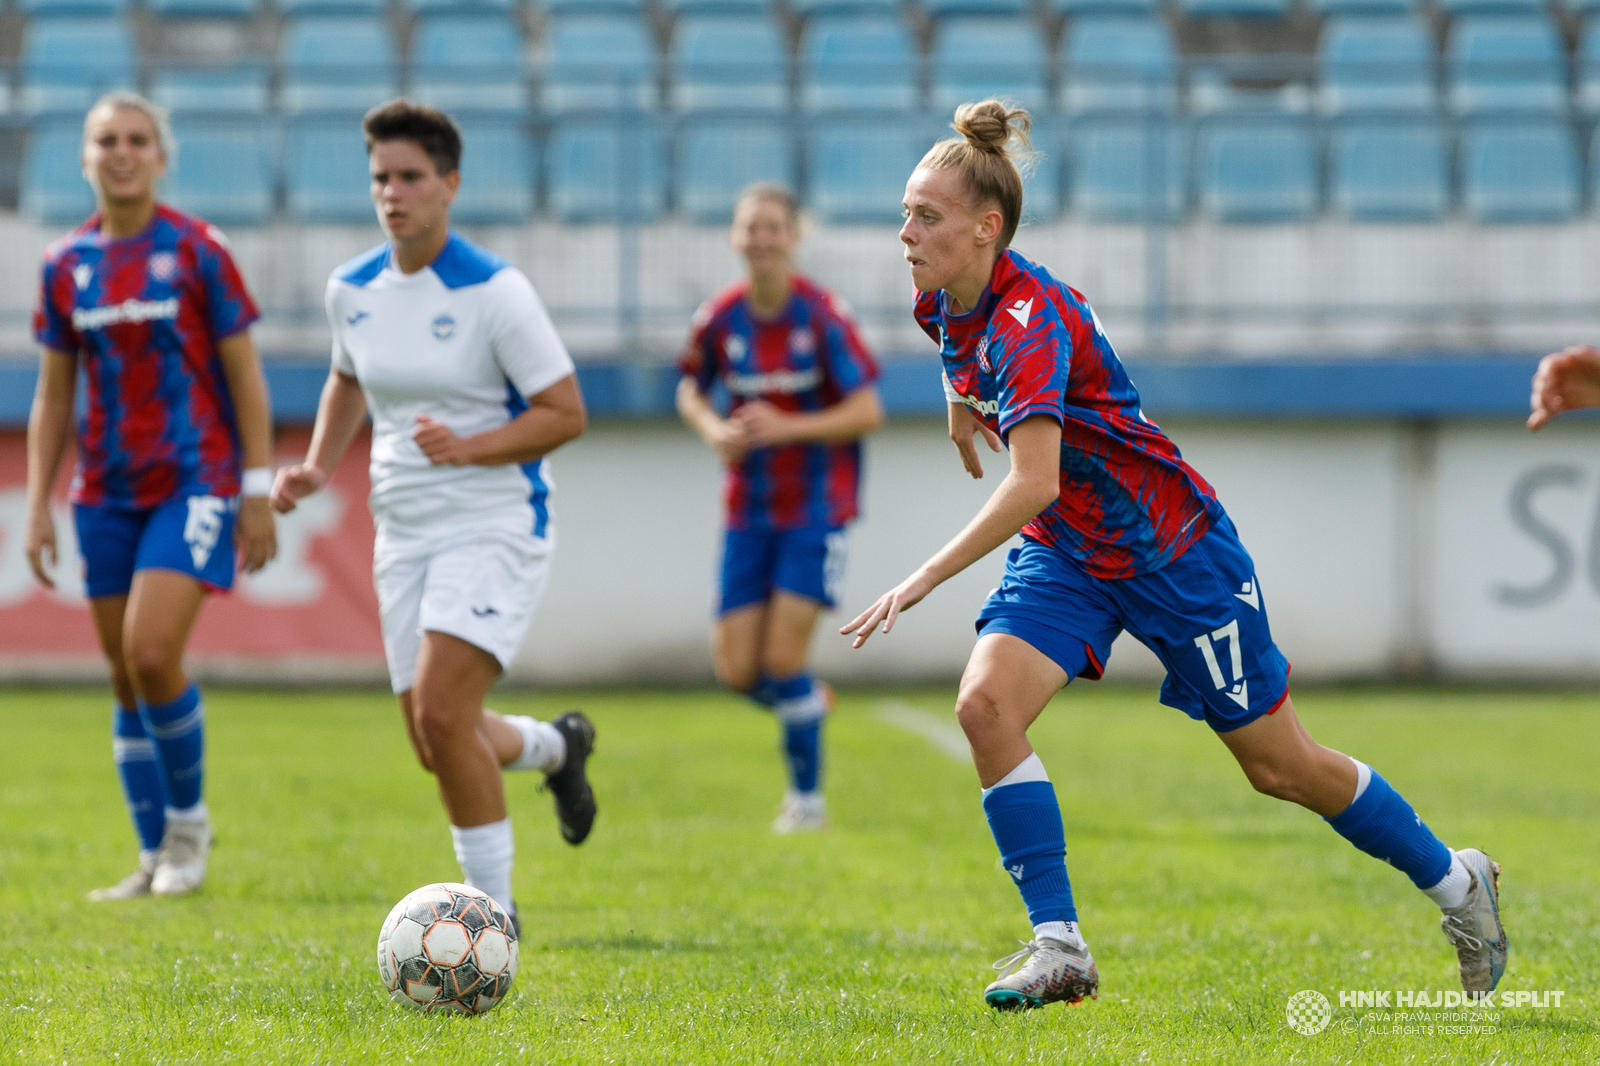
column 126, row 311
column 776, row 381
column 82, row 274
column 1020, row 311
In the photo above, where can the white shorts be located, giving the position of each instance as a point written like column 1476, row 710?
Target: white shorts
column 483, row 591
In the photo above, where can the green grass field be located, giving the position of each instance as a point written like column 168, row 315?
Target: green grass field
column 684, row 932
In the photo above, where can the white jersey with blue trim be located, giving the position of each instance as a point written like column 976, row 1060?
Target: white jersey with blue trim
column 464, row 341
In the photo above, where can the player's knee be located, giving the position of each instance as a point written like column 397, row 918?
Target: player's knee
column 437, row 724
column 979, row 713
column 148, row 664
column 1273, row 779
column 741, row 676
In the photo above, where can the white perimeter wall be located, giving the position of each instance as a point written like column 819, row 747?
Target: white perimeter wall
column 1381, row 549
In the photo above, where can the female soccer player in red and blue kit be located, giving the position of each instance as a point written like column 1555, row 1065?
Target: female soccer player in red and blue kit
column 1118, row 532
column 801, row 397
column 172, row 468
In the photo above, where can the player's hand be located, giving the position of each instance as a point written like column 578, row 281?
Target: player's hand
column 255, row 533
column 963, row 427
column 764, row 425
column 41, row 545
column 729, row 440
column 902, row 597
column 440, row 443
column 293, row 484
column 1565, row 381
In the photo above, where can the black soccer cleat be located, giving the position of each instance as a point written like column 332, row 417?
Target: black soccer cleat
column 575, row 806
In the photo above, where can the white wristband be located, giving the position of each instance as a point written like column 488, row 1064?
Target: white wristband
column 257, row 482
column 950, row 393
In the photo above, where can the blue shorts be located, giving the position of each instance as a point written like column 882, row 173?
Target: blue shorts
column 192, row 535
column 807, row 562
column 1202, row 614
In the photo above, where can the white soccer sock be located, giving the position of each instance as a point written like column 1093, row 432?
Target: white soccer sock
column 1452, row 889
column 1066, row 932
column 1029, row 769
column 1363, row 777
column 485, row 852
column 197, row 813
column 543, row 746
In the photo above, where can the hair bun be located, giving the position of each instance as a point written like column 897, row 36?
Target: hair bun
column 989, row 124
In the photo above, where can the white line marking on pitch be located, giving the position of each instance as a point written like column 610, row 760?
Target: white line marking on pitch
column 927, row 725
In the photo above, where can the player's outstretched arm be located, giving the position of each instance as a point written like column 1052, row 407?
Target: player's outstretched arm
column 553, row 417
column 1565, row 381
column 340, row 412
column 254, row 531
column 964, row 426
column 49, row 421
column 722, row 435
column 1033, row 484
column 857, row 415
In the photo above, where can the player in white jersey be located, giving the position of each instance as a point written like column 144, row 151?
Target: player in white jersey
column 469, row 387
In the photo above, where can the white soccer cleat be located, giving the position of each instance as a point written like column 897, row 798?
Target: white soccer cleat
column 1474, row 928
column 1044, row 971
column 133, row 886
column 181, row 867
column 801, row 813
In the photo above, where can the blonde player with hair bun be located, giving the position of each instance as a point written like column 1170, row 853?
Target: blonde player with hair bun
column 1118, row 533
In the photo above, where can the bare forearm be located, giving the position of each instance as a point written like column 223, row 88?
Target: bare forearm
column 49, row 422
column 532, row 435
column 696, row 410
column 852, row 418
column 340, row 412
column 1013, row 505
column 251, row 409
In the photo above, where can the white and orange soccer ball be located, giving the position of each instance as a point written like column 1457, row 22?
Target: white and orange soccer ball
column 447, row 948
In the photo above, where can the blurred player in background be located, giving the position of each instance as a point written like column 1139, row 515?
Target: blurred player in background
column 1118, row 532
column 172, row 470
column 469, row 387
column 1565, row 381
column 801, row 397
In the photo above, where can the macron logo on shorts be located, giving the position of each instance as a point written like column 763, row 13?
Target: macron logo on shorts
column 126, row 311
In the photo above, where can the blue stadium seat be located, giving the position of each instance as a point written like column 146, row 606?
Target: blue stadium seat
column 224, row 174
column 72, row 7
column 1364, row 7
column 67, row 63
column 1235, row 8
column 717, row 159
column 732, row 62
column 1384, row 172
column 469, row 64
column 943, row 8
column 1499, row 7
column 1522, row 171
column 298, row 8
column 337, row 64
column 718, row 7
column 593, row 7
column 1041, row 181
column 586, row 179
column 855, row 61
column 809, row 8
column 1257, row 171
column 599, row 62
column 242, row 90
column 1216, row 89
column 497, row 170
column 1137, row 8
column 1588, row 60
column 326, row 173
column 53, row 189
column 982, row 56
column 465, row 7
column 1377, row 65
column 1116, row 65
column 858, row 170
column 1120, row 171
column 204, row 8
column 1506, row 64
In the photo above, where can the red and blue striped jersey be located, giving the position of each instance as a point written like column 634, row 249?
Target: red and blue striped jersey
column 144, row 316
column 1129, row 504
column 808, row 358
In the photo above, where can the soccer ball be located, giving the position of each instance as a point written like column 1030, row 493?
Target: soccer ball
column 447, row 948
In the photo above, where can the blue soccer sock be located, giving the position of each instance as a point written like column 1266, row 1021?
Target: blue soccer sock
column 1026, row 822
column 178, row 729
column 801, row 707
column 1381, row 823
column 139, row 767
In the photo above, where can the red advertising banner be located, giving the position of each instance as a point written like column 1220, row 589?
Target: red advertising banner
column 312, row 605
